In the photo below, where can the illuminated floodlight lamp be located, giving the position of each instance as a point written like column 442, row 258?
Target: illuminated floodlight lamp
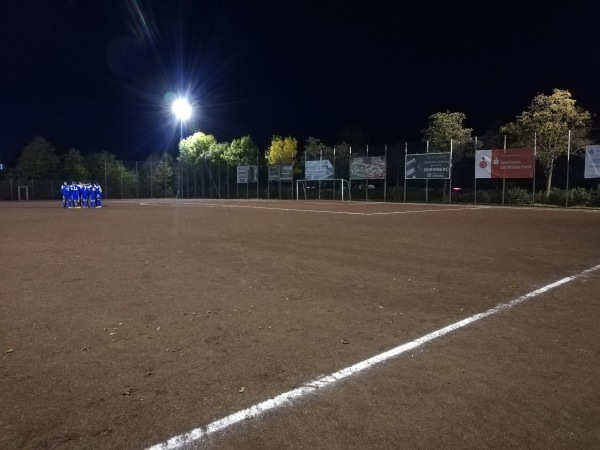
column 182, row 109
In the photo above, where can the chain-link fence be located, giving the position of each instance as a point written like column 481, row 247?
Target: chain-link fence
column 370, row 173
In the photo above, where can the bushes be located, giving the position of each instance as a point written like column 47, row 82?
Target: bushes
column 518, row 196
column 555, row 197
column 489, row 196
column 595, row 197
column 577, row 197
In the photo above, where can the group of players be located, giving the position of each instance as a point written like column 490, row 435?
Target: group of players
column 82, row 195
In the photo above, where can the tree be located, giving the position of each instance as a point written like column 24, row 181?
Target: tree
column 196, row 148
column 282, row 150
column 446, row 126
column 38, row 160
column 315, row 149
column 241, row 151
column 492, row 137
column 548, row 121
column 102, row 165
column 106, row 169
column 74, row 166
column 162, row 177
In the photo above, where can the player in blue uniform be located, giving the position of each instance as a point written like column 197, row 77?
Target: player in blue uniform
column 98, row 195
column 64, row 190
column 83, row 194
column 92, row 194
column 74, row 191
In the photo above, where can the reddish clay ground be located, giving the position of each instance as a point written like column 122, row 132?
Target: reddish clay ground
column 124, row 326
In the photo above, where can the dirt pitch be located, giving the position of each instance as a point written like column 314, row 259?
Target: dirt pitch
column 124, row 326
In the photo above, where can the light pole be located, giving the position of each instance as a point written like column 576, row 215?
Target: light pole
column 183, row 111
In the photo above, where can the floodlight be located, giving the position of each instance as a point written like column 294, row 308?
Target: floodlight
column 182, row 109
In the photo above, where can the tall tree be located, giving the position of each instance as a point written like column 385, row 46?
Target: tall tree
column 38, row 160
column 549, row 118
column 196, row 148
column 241, row 151
column 74, row 166
column 315, row 149
column 282, row 150
column 163, row 179
column 446, row 126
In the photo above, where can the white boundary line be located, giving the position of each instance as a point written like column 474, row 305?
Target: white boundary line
column 283, row 399
column 351, row 213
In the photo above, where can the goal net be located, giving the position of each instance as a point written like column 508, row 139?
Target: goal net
column 330, row 189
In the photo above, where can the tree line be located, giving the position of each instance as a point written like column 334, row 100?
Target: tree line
column 552, row 123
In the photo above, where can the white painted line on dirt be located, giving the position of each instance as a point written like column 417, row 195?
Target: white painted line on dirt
column 351, row 213
column 312, row 386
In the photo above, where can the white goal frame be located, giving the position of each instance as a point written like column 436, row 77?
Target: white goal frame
column 334, row 180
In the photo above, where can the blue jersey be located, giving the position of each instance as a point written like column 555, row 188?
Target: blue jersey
column 64, row 190
column 74, row 192
column 84, row 192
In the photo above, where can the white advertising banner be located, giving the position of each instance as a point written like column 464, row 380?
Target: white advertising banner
column 592, row 161
column 483, row 164
column 318, row 170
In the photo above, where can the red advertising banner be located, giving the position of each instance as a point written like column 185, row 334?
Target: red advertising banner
column 505, row 163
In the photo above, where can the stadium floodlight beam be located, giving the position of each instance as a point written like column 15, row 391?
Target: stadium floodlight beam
column 183, row 111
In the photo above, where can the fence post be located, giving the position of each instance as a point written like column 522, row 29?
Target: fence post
column 568, row 166
column 105, row 183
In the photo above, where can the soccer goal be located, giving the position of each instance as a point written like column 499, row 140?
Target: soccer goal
column 331, row 189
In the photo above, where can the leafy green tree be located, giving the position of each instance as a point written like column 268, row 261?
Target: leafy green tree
column 217, row 151
column 446, row 126
column 315, row 149
column 241, row 151
column 197, row 148
column 74, row 166
column 549, row 118
column 163, row 179
column 113, row 176
column 101, row 165
column 492, row 137
column 282, row 150
column 38, row 160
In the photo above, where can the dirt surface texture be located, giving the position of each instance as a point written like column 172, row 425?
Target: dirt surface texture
column 150, row 324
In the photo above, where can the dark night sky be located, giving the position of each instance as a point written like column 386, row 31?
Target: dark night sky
column 99, row 75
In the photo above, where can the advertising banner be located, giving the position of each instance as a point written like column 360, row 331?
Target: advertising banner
column 247, row 174
column 592, row 161
column 371, row 167
column 504, row 163
column 286, row 173
column 318, row 170
column 427, row 166
column 274, row 173
column 280, row 173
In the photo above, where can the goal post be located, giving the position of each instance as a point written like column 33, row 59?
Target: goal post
column 322, row 189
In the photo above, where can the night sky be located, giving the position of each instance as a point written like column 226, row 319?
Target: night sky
column 100, row 75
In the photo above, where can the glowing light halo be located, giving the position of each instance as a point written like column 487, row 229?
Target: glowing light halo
column 182, row 109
